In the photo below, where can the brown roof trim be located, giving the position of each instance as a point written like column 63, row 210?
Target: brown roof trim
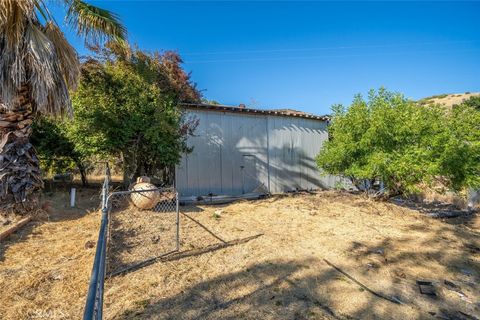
column 218, row 107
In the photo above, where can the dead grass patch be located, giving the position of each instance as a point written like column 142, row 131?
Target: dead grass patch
column 45, row 267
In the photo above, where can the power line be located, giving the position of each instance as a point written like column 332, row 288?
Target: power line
column 373, row 46
column 323, row 56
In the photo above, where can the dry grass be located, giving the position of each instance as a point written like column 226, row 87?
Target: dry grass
column 271, row 267
column 99, row 178
column 137, row 235
column 8, row 219
column 45, row 267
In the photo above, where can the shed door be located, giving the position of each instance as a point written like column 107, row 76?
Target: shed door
column 250, row 180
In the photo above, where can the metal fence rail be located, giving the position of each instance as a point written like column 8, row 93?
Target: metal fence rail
column 94, row 303
column 131, row 235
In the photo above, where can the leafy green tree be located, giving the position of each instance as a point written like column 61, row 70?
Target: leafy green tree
column 391, row 139
column 56, row 150
column 127, row 106
column 460, row 161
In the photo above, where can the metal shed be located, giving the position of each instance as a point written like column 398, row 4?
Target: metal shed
column 238, row 150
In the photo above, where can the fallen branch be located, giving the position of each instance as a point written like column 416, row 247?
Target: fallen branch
column 391, row 299
column 205, row 228
column 5, row 234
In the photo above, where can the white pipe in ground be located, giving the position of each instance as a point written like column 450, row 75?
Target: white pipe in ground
column 72, row 197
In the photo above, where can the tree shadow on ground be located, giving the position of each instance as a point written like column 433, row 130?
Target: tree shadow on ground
column 17, row 237
column 269, row 288
column 433, row 209
column 305, row 289
column 450, row 245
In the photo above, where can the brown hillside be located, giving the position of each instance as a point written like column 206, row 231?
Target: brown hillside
column 449, row 99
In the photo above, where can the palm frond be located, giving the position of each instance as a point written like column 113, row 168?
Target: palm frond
column 93, row 23
column 14, row 14
column 49, row 90
column 12, row 72
column 39, row 57
column 66, row 55
column 43, row 11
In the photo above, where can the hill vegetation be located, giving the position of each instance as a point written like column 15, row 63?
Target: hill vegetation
column 449, row 100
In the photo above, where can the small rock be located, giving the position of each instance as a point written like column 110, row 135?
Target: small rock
column 400, row 274
column 56, row 276
column 464, row 297
column 90, row 244
column 372, row 265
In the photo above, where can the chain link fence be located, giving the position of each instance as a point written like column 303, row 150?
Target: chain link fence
column 144, row 226
column 137, row 227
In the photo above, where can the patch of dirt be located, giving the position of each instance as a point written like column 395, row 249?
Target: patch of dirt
column 277, row 258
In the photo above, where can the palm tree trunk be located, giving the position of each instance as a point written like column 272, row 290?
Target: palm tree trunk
column 20, row 178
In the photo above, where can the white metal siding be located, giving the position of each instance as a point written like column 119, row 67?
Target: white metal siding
column 283, row 150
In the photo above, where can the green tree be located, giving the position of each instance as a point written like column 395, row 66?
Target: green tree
column 391, row 139
column 38, row 67
column 127, row 106
column 56, row 150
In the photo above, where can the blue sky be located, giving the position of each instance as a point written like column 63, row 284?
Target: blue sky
column 310, row 55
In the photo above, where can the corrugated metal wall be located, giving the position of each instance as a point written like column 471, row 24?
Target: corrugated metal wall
column 235, row 153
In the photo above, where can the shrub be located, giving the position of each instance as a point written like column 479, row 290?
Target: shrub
column 56, row 150
column 391, row 139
